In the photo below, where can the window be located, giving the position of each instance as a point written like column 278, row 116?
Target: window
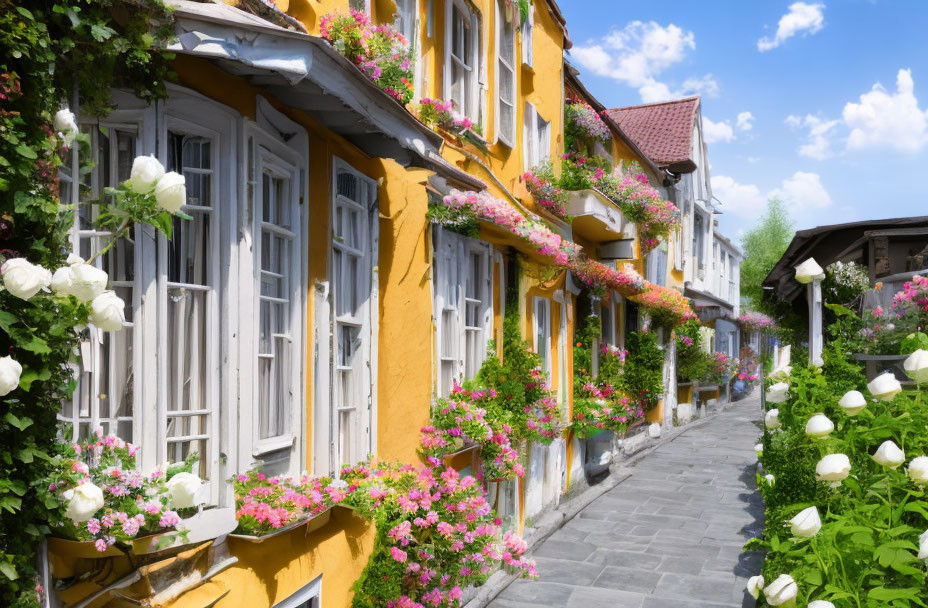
column 528, row 32
column 360, row 5
column 461, row 58
column 277, row 277
column 405, row 20
column 310, row 596
column 171, row 379
column 506, row 74
column 542, row 333
column 607, row 323
column 536, row 138
column 354, row 233
column 462, row 307
column 699, row 230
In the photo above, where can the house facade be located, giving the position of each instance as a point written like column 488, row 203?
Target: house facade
column 313, row 313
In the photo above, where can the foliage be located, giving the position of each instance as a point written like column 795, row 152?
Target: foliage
column 44, row 50
column 599, row 404
column 459, row 422
column 264, row 504
column 540, row 183
column 379, row 51
column 844, row 283
column 643, row 380
column 518, row 392
column 693, row 361
column 666, row 306
column 865, row 553
column 583, row 127
column 435, row 535
column 722, row 368
column 134, row 505
column 462, row 220
column 756, row 321
column 763, row 245
column 434, row 112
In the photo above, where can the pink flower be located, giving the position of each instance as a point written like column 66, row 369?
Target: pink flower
column 398, row 554
column 101, row 545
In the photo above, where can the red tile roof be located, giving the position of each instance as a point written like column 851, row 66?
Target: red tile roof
column 663, row 131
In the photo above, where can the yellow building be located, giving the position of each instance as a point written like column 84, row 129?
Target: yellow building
column 310, row 313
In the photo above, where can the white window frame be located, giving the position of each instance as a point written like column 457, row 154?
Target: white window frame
column 536, row 138
column 229, row 301
column 528, row 37
column 309, row 596
column 544, row 348
column 506, row 133
column 453, row 264
column 473, row 68
column 365, row 319
column 607, row 311
column 271, row 154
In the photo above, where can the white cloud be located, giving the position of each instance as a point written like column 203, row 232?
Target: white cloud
column 744, row 200
column 802, row 18
column 888, row 120
column 638, row 54
column 818, row 133
column 745, row 121
column 803, row 192
column 714, row 132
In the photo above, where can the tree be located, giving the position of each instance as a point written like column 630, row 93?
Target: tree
column 763, row 246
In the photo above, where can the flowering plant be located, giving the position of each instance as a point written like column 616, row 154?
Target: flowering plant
column 912, row 301
column 540, row 183
column 845, row 282
column 105, row 500
column 756, row 321
column 436, row 535
column 665, row 305
column 723, row 368
column 747, row 369
column 642, row 204
column 460, row 421
column 264, row 504
column 583, row 122
column 379, row 51
column 442, row 114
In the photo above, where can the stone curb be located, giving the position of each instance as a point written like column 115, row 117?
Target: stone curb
column 555, row 519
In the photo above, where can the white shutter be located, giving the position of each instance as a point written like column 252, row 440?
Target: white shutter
column 528, row 31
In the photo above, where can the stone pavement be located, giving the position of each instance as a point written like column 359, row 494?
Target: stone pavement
column 669, row 536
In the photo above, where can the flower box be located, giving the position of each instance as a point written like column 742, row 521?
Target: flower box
column 311, row 524
column 204, row 526
column 597, row 217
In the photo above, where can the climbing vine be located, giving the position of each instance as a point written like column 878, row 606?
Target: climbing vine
column 49, row 51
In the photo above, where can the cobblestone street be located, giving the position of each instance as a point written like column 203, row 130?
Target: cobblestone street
column 669, row 536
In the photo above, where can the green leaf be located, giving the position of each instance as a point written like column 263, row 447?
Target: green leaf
column 36, row 345
column 7, row 319
column 20, row 423
column 164, row 222
column 25, row 456
column 9, row 571
column 25, row 13
column 26, row 151
column 30, row 375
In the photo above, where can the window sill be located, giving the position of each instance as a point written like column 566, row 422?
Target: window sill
column 272, row 445
column 528, row 68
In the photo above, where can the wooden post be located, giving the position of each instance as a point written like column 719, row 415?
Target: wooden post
column 816, row 339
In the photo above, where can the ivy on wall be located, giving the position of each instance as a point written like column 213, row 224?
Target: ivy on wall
column 46, row 51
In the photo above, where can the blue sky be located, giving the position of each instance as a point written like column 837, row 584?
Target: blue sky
column 836, row 92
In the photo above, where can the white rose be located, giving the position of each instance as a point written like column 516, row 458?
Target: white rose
column 66, row 124
column 778, row 393
column 916, row 366
column 834, row 468
column 923, row 545
column 755, row 585
column 781, row 591
column 86, row 500
column 171, row 193
column 146, row 171
column 62, row 281
column 853, row 403
column 772, row 419
column 183, row 489
column 819, row 426
column 889, row 455
column 87, row 282
column 821, row 604
column 23, row 279
column 654, row 431
column 107, row 311
column 781, row 374
column 806, row 523
column 10, row 371
column 885, row 387
column 918, row 470
column 770, row 478
column 808, row 271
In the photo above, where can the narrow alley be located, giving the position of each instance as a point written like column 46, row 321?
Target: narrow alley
column 669, row 536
